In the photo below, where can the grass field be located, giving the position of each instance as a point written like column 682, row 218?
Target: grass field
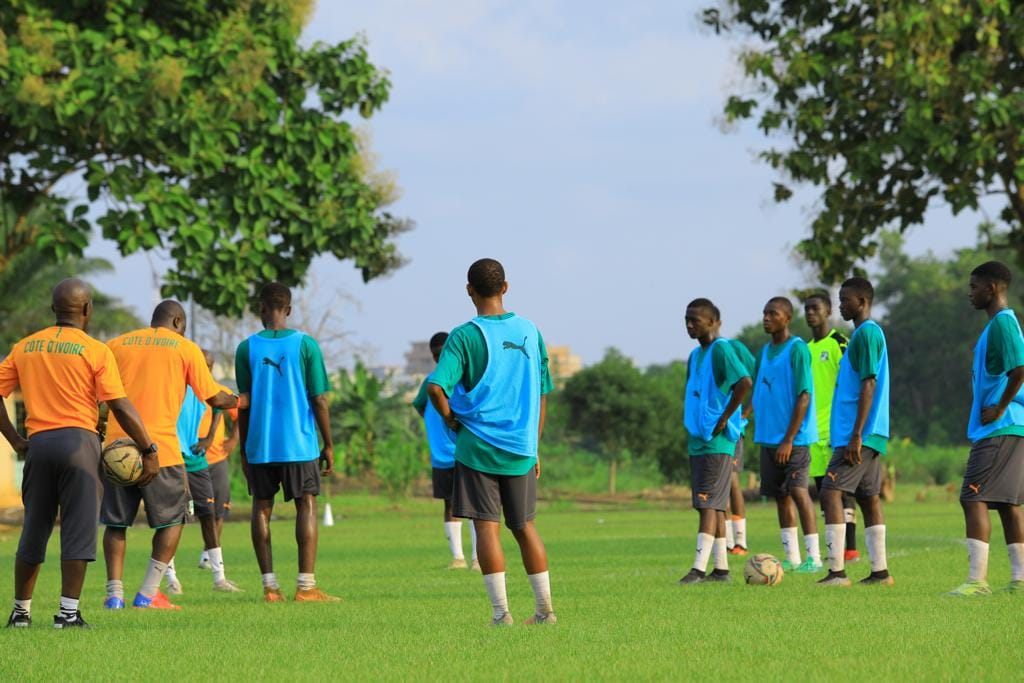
column 621, row 614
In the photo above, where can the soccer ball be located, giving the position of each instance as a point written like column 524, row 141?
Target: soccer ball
column 763, row 570
column 121, row 462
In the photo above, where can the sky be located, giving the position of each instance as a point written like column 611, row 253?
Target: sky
column 580, row 144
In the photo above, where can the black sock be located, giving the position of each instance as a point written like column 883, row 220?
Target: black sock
column 851, row 536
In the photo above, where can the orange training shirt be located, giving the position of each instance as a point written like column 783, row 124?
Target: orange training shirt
column 215, row 453
column 63, row 373
column 156, row 364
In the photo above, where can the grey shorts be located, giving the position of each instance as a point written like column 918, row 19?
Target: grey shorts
column 200, row 488
column 863, row 480
column 995, row 472
column 296, row 479
column 710, row 479
column 61, row 472
column 737, row 458
column 478, row 495
column 779, row 480
column 166, row 499
column 220, row 475
column 444, row 482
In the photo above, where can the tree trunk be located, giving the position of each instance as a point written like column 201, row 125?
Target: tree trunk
column 613, row 466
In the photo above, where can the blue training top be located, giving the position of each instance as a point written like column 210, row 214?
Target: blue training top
column 192, row 410
column 988, row 389
column 775, row 397
column 705, row 401
column 440, row 437
column 844, row 402
column 281, row 424
column 503, row 408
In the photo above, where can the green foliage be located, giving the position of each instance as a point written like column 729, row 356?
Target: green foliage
column 888, row 108
column 375, row 430
column 666, row 384
column 928, row 464
column 203, row 129
column 25, row 288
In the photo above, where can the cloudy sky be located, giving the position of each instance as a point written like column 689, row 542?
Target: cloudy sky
column 578, row 143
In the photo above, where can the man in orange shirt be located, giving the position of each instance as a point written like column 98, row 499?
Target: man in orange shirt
column 156, row 363
column 63, row 373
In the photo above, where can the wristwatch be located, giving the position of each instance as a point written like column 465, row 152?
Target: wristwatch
column 150, row 451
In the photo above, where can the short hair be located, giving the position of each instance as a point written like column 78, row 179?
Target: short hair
column 275, row 296
column 438, row 340
column 166, row 311
column 786, row 304
column 993, row 271
column 486, row 277
column 706, row 306
column 861, row 286
column 822, row 296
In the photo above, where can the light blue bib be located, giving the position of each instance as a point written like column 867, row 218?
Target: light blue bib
column 281, row 424
column 705, row 403
column 774, row 399
column 844, row 402
column 192, row 410
column 988, row 389
column 440, row 438
column 503, row 408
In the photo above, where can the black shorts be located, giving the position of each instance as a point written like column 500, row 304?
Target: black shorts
column 220, row 475
column 61, row 472
column 710, row 479
column 863, row 480
column 444, row 482
column 200, row 488
column 779, row 480
column 296, row 479
column 478, row 495
column 737, row 458
column 166, row 499
column 995, row 472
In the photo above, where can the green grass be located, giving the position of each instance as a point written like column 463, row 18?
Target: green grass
column 621, row 614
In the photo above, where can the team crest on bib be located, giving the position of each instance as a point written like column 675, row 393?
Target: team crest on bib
column 824, row 356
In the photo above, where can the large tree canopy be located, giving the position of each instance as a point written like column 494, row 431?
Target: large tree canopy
column 887, row 107
column 201, row 128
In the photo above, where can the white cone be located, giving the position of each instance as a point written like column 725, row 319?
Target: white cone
column 328, row 515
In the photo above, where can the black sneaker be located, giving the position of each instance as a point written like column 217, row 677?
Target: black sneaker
column 719, row 575
column 59, row 621
column 19, row 620
column 695, row 576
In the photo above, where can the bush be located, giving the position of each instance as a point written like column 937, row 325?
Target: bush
column 938, row 465
column 399, row 463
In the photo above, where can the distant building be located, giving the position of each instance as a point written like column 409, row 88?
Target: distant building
column 419, row 362
column 562, row 364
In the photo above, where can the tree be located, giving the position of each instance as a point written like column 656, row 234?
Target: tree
column 612, row 410
column 25, row 287
column 202, row 129
column 667, row 436
column 887, row 108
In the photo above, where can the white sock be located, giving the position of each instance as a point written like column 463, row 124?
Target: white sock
column 850, row 515
column 495, row 584
column 739, row 528
column 721, row 554
column 790, row 545
column 705, row 544
column 115, row 589
column 171, row 573
column 151, row 581
column 270, row 581
column 23, row 606
column 541, row 584
column 874, row 538
column 835, row 541
column 68, row 607
column 1016, row 551
column 977, row 559
column 204, row 558
column 730, row 539
column 217, row 564
column 472, row 533
column 813, row 547
column 453, row 532
column 305, row 581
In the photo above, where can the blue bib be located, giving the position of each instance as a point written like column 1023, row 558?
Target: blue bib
column 440, row 438
column 774, row 399
column 705, row 403
column 844, row 402
column 988, row 389
column 192, row 410
column 503, row 408
column 281, row 423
